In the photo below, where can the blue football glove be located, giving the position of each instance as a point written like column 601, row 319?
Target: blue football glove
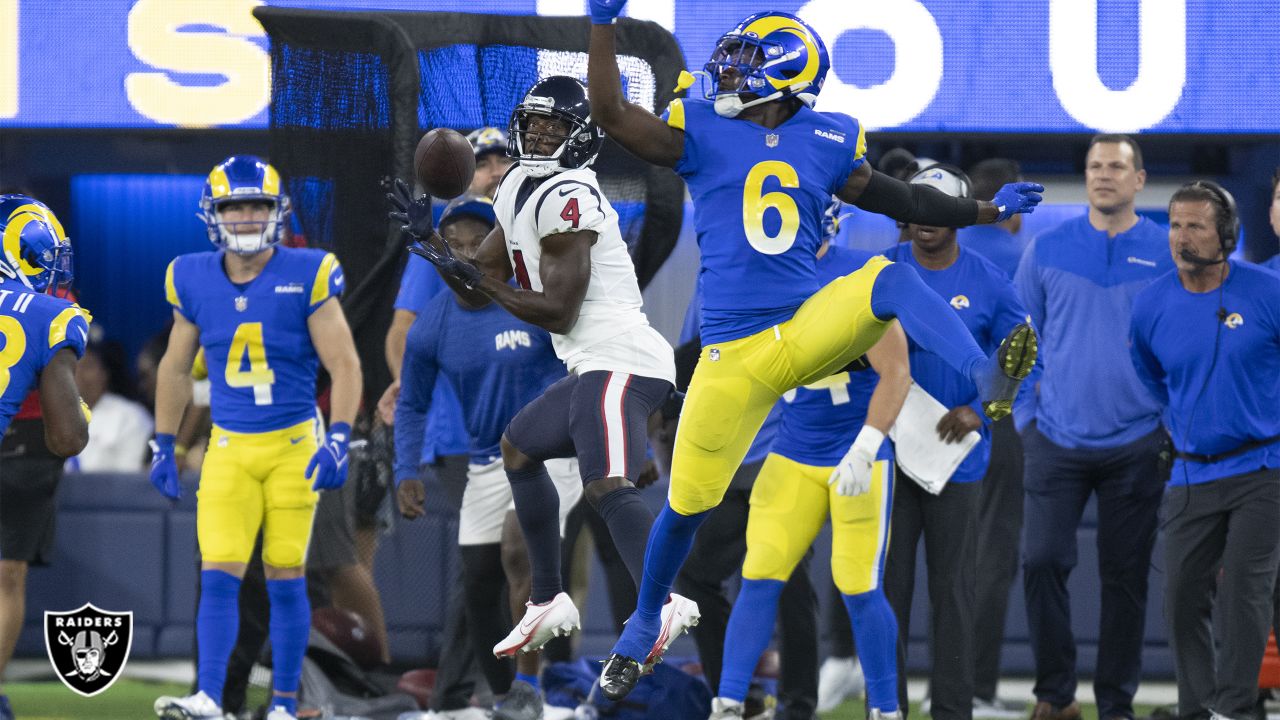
column 413, row 215
column 603, row 12
column 329, row 464
column 164, row 466
column 1014, row 198
column 436, row 250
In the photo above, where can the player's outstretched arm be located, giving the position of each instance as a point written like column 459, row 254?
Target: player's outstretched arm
column 331, row 337
column 66, row 429
column 565, row 270
column 876, row 192
column 631, row 126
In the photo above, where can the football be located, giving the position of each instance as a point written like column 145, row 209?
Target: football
column 444, row 163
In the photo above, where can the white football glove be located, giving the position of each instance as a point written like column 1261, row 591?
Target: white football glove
column 853, row 475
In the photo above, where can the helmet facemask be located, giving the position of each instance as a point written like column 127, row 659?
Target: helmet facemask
column 247, row 237
column 569, row 146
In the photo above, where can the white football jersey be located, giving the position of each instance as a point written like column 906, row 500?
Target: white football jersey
column 612, row 332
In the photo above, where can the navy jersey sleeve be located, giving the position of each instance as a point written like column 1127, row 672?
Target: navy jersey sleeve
column 417, row 383
column 1145, row 362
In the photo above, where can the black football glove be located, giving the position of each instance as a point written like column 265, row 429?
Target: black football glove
column 435, row 249
column 413, row 215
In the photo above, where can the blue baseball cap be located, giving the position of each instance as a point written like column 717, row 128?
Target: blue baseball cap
column 470, row 204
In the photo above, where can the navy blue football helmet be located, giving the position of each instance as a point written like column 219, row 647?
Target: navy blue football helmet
column 562, row 98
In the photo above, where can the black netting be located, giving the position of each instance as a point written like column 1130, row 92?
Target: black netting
column 351, row 95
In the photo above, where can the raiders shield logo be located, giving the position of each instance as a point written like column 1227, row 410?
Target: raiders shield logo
column 88, row 647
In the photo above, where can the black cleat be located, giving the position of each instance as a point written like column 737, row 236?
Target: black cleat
column 1010, row 365
column 619, row 676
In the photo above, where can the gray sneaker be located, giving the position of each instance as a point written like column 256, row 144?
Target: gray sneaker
column 522, row 702
column 998, row 709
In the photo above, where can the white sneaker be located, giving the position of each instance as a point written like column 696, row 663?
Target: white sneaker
column 679, row 613
column 279, row 713
column 880, row 715
column 839, row 678
column 191, row 707
column 725, row 709
column 539, row 624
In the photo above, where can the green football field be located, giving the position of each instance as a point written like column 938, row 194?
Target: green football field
column 131, row 700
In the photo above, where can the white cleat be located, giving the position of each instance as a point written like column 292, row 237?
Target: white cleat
column 191, row 707
column 539, row 624
column 279, row 713
column 839, row 678
column 679, row 614
column 725, row 709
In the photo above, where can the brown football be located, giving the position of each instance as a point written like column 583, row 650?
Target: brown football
column 444, row 163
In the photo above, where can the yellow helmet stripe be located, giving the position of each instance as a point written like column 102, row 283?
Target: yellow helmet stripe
column 270, row 181
column 219, row 185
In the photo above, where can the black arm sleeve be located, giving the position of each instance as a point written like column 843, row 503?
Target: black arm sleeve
column 919, row 204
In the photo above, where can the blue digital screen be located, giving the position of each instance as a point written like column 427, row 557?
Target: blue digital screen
column 1169, row 66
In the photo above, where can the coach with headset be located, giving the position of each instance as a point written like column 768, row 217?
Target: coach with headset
column 1206, row 342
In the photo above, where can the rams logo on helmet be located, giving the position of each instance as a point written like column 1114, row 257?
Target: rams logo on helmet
column 238, row 181
column 36, row 250
column 775, row 55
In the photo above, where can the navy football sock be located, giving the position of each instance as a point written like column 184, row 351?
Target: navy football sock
column 217, row 622
column 629, row 521
column 899, row 293
column 876, row 631
column 538, row 510
column 669, row 543
column 290, row 628
column 747, row 635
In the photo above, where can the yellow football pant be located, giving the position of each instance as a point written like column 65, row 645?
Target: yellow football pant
column 737, row 382
column 789, row 505
column 256, row 480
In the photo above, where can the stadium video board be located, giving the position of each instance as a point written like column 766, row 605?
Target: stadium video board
column 1168, row 66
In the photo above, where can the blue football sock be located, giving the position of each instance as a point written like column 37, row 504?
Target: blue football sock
column 531, row 679
column 290, row 628
column 875, row 631
column 747, row 635
column 899, row 293
column 217, row 622
column 629, row 521
column 669, row 543
column 538, row 510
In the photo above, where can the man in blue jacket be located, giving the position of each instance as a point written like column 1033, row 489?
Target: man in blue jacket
column 1094, row 428
column 1206, row 342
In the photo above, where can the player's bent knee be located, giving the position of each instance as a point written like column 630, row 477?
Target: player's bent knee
column 767, row 562
column 693, row 501
column 850, row 578
column 275, row 572
column 284, row 554
column 512, row 457
column 595, row 490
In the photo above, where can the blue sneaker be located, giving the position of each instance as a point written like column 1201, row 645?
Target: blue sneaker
column 998, row 382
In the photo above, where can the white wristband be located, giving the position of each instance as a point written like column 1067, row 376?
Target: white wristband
column 869, row 441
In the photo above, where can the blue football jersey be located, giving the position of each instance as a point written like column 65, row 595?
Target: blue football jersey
column 820, row 421
column 497, row 362
column 262, row 365
column 758, row 199
column 34, row 327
